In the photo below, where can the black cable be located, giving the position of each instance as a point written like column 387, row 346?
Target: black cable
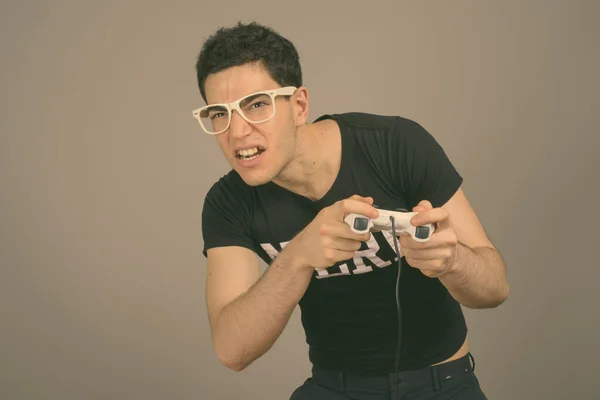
column 398, row 307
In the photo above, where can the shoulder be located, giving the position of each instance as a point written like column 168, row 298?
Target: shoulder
column 379, row 125
column 383, row 136
column 227, row 212
column 362, row 120
column 402, row 151
column 229, row 193
column 226, row 184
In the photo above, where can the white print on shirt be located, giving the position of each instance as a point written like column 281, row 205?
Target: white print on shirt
column 342, row 269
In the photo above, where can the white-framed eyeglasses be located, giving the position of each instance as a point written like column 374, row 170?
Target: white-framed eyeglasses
column 255, row 108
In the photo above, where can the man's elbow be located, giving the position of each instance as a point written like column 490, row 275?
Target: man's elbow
column 502, row 295
column 237, row 367
column 234, row 359
column 231, row 362
column 492, row 300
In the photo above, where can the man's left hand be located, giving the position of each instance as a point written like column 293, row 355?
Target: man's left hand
column 436, row 256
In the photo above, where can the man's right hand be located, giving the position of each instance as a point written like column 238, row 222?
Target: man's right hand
column 328, row 239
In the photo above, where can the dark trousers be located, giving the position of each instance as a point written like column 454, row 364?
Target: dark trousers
column 454, row 380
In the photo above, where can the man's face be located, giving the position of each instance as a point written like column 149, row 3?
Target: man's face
column 275, row 139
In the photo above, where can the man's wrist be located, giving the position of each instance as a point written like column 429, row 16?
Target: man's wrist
column 475, row 277
column 457, row 265
column 293, row 258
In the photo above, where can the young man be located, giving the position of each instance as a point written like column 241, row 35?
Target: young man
column 291, row 185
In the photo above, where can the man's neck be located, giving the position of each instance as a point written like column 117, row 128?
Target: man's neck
column 316, row 163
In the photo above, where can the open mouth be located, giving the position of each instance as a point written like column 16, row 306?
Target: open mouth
column 249, row 154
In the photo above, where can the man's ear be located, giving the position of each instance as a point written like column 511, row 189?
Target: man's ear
column 300, row 105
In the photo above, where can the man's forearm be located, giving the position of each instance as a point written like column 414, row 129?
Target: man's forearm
column 477, row 278
column 248, row 326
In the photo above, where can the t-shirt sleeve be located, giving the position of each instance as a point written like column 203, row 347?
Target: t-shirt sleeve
column 422, row 168
column 226, row 217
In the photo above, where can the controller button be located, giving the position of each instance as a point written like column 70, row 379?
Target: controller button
column 361, row 224
column 422, row 232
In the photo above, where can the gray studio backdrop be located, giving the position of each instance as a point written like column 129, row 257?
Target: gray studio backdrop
column 103, row 172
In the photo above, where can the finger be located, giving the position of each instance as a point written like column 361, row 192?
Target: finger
column 343, row 231
column 356, row 206
column 436, row 253
column 422, row 206
column 343, row 244
column 368, row 200
column 335, row 256
column 440, row 238
column 431, row 273
column 407, row 242
column 439, row 216
column 430, row 268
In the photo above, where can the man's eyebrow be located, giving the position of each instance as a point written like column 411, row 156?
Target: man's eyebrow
column 218, row 107
column 252, row 96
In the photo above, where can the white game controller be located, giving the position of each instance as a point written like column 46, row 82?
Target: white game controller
column 361, row 224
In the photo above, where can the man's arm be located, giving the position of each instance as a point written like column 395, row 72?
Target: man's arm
column 464, row 259
column 247, row 313
column 459, row 252
column 477, row 278
column 477, row 275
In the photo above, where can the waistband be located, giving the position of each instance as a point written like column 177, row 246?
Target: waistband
column 433, row 375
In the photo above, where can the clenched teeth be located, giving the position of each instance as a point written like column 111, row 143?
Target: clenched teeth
column 248, row 152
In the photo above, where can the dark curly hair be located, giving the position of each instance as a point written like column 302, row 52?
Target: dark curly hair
column 248, row 43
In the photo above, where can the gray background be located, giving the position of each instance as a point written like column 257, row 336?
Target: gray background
column 103, row 172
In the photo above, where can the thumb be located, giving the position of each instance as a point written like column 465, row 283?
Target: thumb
column 368, row 200
column 423, row 205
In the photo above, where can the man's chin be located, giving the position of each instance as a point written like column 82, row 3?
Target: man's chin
column 254, row 178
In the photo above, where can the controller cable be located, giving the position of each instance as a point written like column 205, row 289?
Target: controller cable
column 398, row 307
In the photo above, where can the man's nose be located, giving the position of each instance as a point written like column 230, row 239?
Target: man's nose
column 239, row 127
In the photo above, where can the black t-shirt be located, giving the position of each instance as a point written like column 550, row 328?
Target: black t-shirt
column 349, row 309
